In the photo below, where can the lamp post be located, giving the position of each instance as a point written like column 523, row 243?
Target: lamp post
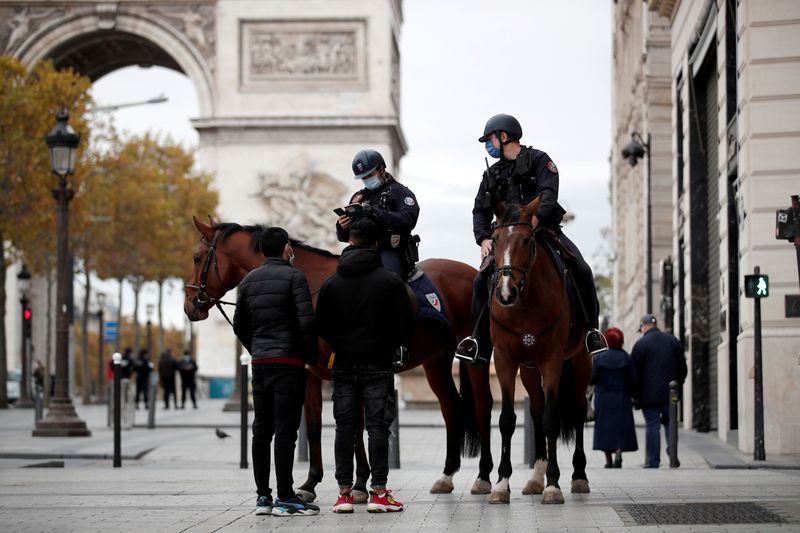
column 101, row 352
column 635, row 150
column 61, row 419
column 24, row 284
column 149, row 309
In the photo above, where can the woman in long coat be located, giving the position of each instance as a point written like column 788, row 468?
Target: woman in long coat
column 615, row 383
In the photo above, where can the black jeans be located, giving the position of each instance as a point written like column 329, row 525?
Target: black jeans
column 187, row 384
column 373, row 387
column 278, row 395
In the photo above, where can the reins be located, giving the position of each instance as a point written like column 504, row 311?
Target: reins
column 202, row 296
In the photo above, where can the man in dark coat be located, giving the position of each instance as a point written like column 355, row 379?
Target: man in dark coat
column 615, row 385
column 274, row 320
column 659, row 359
column 166, row 374
column 188, row 369
column 364, row 312
column 142, row 366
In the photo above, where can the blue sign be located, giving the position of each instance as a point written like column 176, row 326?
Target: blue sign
column 110, row 332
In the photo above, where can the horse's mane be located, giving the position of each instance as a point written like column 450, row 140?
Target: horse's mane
column 227, row 229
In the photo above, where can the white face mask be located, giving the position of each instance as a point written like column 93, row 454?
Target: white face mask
column 372, row 182
column 290, row 258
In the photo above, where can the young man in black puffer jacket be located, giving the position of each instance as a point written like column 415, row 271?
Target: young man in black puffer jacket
column 364, row 311
column 274, row 320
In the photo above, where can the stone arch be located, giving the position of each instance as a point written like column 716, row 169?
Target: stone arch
column 85, row 40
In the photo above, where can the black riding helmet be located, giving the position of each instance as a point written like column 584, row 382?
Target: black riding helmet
column 502, row 122
column 365, row 162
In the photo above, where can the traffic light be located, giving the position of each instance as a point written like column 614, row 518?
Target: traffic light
column 756, row 286
column 27, row 316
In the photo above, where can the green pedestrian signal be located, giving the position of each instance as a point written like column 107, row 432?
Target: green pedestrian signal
column 756, row 286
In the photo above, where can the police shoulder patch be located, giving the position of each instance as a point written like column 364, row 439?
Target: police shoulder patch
column 409, row 201
column 552, row 167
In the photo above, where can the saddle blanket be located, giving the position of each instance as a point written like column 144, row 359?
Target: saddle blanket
column 429, row 302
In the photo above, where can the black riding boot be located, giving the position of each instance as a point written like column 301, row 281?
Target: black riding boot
column 477, row 348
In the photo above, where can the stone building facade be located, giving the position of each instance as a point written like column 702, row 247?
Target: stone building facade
column 715, row 84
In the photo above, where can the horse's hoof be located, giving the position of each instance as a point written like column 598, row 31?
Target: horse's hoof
column 501, row 496
column 306, row 496
column 533, row 487
column 580, row 486
column 442, row 486
column 481, row 487
column 553, row 495
column 359, row 496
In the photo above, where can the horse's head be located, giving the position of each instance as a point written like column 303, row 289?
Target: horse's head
column 216, row 269
column 514, row 251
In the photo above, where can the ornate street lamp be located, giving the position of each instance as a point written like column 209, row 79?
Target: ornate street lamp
column 24, row 284
column 635, row 150
column 61, row 419
column 101, row 305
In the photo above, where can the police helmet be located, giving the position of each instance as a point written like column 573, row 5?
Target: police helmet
column 365, row 162
column 502, row 122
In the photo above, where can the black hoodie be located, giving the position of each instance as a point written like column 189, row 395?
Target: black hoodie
column 363, row 310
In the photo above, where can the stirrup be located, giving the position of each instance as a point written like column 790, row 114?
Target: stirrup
column 595, row 342
column 467, row 350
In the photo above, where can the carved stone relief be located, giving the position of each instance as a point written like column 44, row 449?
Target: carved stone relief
column 300, row 199
column 197, row 22
column 20, row 22
column 277, row 55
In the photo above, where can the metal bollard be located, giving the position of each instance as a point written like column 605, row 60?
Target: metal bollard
column 151, row 394
column 674, row 398
column 244, row 361
column 302, row 439
column 37, row 406
column 117, row 359
column 528, row 454
column 394, row 439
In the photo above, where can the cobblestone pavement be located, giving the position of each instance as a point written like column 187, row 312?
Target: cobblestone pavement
column 190, row 480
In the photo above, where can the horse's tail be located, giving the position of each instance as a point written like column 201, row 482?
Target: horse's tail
column 471, row 445
column 567, row 406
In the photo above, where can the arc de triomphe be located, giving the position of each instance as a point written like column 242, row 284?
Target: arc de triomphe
column 288, row 91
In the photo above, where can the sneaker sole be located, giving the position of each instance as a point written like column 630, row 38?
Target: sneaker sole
column 264, row 511
column 343, row 510
column 384, row 509
column 293, row 512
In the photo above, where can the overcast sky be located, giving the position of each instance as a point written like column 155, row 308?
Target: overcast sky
column 547, row 62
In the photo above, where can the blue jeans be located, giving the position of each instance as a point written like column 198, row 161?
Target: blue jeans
column 394, row 262
column 655, row 416
column 372, row 387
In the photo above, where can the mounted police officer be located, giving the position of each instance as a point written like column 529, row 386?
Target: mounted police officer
column 391, row 205
column 521, row 174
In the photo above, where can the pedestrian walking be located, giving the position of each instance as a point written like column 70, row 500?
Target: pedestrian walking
column 658, row 357
column 142, row 366
column 188, row 369
column 274, row 321
column 615, row 384
column 166, row 373
column 364, row 312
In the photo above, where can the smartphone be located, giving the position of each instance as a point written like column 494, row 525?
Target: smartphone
column 339, row 211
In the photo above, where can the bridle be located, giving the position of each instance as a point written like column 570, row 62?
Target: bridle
column 528, row 339
column 202, row 296
column 508, row 270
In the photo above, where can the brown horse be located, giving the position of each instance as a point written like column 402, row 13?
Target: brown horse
column 227, row 252
column 535, row 329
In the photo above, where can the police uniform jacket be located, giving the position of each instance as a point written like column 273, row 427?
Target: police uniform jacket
column 393, row 207
column 274, row 316
column 531, row 174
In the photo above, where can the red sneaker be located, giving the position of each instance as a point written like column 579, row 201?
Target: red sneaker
column 344, row 504
column 384, row 503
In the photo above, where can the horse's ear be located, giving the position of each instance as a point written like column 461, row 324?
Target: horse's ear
column 532, row 207
column 213, row 221
column 204, row 229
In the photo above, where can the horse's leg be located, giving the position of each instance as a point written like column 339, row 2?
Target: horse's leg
column 551, row 374
column 440, row 378
column 532, row 379
column 583, row 372
column 359, row 490
column 313, row 411
column 482, row 403
column 506, row 375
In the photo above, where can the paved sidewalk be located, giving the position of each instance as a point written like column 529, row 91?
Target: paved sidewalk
column 187, row 479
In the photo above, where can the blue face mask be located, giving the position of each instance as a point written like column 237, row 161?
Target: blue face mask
column 372, row 183
column 491, row 150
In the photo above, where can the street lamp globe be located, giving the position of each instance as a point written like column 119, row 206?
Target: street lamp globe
column 150, row 309
column 101, row 300
column 24, row 280
column 63, row 143
column 633, row 152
